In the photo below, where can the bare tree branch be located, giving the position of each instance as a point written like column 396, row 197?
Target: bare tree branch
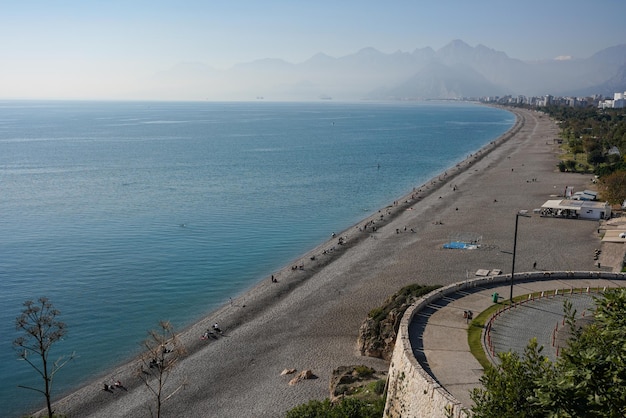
column 41, row 329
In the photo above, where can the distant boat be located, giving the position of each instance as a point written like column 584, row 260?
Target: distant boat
column 325, row 97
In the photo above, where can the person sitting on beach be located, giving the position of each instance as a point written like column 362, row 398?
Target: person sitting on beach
column 217, row 328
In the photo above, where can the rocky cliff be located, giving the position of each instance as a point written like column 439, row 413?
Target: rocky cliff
column 377, row 334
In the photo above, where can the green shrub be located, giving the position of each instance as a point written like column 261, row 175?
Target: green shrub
column 377, row 314
column 312, row 409
column 346, row 408
column 364, row 371
column 403, row 296
column 379, row 387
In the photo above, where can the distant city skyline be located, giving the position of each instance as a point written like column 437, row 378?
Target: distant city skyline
column 109, row 49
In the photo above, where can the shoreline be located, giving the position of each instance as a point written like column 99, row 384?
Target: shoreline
column 353, row 236
column 264, row 298
column 258, row 293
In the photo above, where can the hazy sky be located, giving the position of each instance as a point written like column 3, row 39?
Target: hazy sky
column 107, row 48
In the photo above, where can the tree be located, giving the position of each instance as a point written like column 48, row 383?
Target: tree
column 595, row 157
column 509, row 386
column 588, row 379
column 163, row 350
column 614, row 187
column 590, row 130
column 570, row 165
column 41, row 330
column 591, row 372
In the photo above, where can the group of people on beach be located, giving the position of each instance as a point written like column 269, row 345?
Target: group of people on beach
column 371, row 224
column 116, row 385
column 213, row 333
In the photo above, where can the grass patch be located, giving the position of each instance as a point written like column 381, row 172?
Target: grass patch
column 475, row 331
column 370, row 392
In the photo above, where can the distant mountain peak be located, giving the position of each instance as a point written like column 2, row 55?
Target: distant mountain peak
column 321, row 55
column 369, row 51
column 455, row 70
column 457, row 44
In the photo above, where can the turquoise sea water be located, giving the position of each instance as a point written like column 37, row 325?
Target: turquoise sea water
column 127, row 213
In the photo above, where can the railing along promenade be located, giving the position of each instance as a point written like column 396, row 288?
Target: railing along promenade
column 412, row 390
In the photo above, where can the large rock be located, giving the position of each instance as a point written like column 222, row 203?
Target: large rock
column 303, row 375
column 377, row 338
column 377, row 335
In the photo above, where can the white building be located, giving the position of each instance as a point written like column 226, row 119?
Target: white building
column 618, row 102
column 582, row 209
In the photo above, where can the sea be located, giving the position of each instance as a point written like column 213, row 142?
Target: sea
column 127, row 213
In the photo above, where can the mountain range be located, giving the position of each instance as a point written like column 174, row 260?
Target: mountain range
column 457, row 70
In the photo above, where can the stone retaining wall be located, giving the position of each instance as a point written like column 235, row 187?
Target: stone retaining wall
column 411, row 391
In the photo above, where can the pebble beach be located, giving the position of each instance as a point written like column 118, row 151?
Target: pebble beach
column 308, row 318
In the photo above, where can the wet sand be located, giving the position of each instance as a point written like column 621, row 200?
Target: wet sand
column 310, row 318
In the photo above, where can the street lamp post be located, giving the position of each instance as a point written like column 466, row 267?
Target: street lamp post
column 517, row 215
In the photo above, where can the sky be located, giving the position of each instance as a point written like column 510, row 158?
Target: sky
column 107, row 49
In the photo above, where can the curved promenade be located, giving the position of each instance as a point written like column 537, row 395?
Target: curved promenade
column 432, row 370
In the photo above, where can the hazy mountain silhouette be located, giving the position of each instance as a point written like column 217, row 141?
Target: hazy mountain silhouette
column 437, row 80
column 454, row 71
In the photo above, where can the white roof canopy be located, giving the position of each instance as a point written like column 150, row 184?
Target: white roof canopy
column 573, row 204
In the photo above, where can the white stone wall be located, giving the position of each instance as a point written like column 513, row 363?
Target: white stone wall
column 413, row 393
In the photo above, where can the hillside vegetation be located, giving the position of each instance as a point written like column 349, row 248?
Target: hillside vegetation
column 594, row 142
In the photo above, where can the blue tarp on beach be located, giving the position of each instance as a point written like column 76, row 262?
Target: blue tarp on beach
column 459, row 245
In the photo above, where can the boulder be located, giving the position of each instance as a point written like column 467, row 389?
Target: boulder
column 303, row 375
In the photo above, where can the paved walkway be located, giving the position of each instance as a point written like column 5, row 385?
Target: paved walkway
column 439, row 334
column 541, row 318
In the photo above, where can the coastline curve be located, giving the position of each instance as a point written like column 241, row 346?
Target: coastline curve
column 310, row 318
